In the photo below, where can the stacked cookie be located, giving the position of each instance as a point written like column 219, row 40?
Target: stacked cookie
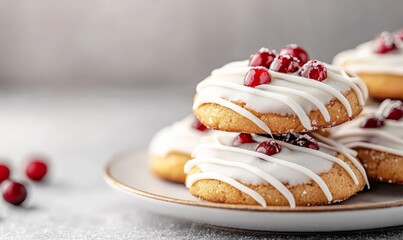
column 377, row 136
column 274, row 103
column 379, row 63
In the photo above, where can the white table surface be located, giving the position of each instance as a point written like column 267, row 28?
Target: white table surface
column 79, row 130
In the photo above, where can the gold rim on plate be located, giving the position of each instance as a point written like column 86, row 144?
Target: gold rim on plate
column 108, row 176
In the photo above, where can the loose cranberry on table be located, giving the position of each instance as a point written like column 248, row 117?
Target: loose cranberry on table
column 285, row 64
column 269, row 147
column 315, row 70
column 373, row 121
column 14, row 192
column 198, row 125
column 394, row 111
column 384, row 43
column 36, row 169
column 296, row 51
column 4, row 172
column 263, row 58
column 243, row 138
column 257, row 76
column 306, row 141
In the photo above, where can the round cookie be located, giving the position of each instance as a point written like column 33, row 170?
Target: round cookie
column 231, row 100
column 379, row 63
column 378, row 139
column 304, row 172
column 172, row 146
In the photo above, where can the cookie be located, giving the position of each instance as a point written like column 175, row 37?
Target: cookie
column 241, row 97
column 170, row 166
column 379, row 63
column 289, row 170
column 381, row 166
column 172, row 146
column 219, row 117
column 383, row 85
column 378, row 139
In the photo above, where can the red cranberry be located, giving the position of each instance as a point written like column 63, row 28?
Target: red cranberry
column 285, row 64
column 373, row 121
column 394, row 111
column 14, row 192
column 263, row 58
column 306, row 141
column 36, row 169
column 269, row 147
column 242, row 139
column 384, row 43
column 296, row 51
column 315, row 70
column 198, row 125
column 286, row 137
column 4, row 172
column 257, row 76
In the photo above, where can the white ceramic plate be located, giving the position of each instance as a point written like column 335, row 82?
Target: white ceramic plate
column 382, row 206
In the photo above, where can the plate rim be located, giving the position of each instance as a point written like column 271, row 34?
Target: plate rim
column 325, row 208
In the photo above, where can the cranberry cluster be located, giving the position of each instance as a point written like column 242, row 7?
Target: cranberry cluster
column 393, row 111
column 387, row 42
column 271, row 147
column 302, row 140
column 292, row 59
column 15, row 192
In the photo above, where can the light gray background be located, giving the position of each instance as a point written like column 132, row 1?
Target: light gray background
column 176, row 42
column 82, row 80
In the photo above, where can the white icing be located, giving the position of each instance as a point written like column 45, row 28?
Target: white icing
column 286, row 94
column 388, row 138
column 364, row 59
column 179, row 137
column 293, row 165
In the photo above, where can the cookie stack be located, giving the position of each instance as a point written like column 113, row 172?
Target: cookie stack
column 275, row 103
column 272, row 131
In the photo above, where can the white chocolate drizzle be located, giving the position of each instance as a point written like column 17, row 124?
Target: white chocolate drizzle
column 241, row 166
column 287, row 94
